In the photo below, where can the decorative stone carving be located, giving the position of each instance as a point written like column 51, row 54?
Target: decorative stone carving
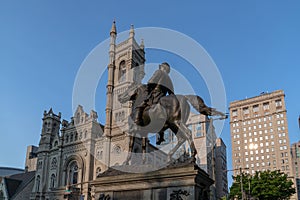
column 104, row 197
column 53, row 163
column 179, row 194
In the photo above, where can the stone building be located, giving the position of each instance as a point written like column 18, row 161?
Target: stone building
column 221, row 180
column 31, row 158
column 259, row 134
column 73, row 153
column 211, row 155
column 295, row 153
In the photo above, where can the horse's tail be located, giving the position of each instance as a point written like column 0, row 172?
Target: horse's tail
column 198, row 103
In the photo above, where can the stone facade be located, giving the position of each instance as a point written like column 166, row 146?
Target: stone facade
column 211, row 155
column 221, row 180
column 71, row 154
column 180, row 181
column 295, row 153
column 259, row 134
column 31, row 158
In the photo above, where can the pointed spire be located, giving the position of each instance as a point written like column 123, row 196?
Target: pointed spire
column 113, row 28
column 142, row 45
column 131, row 33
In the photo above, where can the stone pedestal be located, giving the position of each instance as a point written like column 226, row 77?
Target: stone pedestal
column 180, row 181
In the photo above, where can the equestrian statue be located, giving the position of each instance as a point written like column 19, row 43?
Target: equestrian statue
column 153, row 111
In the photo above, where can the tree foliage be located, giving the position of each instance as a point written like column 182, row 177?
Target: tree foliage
column 267, row 185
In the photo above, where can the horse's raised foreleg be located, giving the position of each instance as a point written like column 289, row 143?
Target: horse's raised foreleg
column 130, row 149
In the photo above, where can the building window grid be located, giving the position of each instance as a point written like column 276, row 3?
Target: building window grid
column 254, row 127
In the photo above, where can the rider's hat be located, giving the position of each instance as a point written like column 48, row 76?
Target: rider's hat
column 166, row 65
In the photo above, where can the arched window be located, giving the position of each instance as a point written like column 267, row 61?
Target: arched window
column 37, row 183
column 122, row 71
column 73, row 173
column 52, row 181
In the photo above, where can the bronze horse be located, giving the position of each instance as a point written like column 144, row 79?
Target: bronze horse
column 171, row 112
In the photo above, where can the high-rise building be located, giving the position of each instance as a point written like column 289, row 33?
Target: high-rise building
column 295, row 153
column 221, row 180
column 31, row 158
column 259, row 134
column 211, row 153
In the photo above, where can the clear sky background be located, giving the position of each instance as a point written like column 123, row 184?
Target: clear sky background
column 255, row 45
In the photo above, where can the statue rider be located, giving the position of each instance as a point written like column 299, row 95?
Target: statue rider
column 159, row 85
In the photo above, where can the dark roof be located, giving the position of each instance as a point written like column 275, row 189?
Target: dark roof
column 17, row 182
column 12, row 186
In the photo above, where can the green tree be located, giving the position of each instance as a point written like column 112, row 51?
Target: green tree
column 267, row 185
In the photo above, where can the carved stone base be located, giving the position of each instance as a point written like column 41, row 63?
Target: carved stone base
column 178, row 181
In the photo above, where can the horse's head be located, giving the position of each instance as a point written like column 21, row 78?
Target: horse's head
column 221, row 115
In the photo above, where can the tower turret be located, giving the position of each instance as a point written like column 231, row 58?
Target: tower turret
column 110, row 81
column 131, row 32
column 126, row 60
column 50, row 130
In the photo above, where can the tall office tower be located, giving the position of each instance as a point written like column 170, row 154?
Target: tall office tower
column 211, row 153
column 295, row 153
column 259, row 134
column 221, row 181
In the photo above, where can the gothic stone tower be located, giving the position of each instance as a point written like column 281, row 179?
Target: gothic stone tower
column 49, row 139
column 126, row 60
column 66, row 160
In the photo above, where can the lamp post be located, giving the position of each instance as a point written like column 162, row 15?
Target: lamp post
column 242, row 191
column 241, row 170
column 252, row 146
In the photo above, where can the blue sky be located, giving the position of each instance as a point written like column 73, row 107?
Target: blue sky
column 255, row 45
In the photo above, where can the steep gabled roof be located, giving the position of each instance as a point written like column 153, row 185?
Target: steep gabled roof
column 16, row 183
